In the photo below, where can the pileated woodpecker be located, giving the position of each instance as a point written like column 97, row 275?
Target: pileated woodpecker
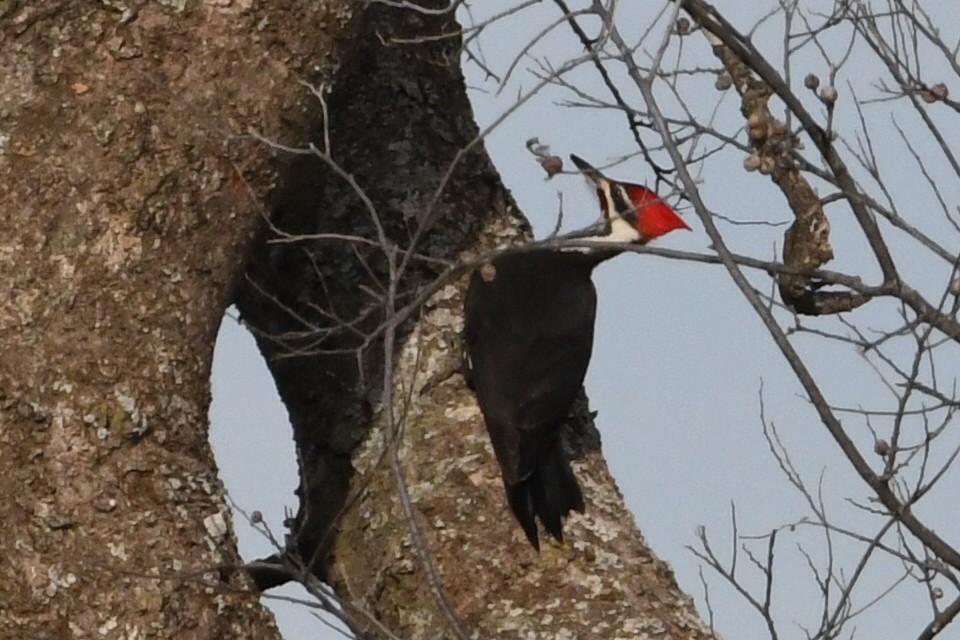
column 528, row 332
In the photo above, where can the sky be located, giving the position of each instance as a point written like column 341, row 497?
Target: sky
column 682, row 366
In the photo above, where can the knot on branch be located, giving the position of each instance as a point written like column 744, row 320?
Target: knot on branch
column 806, row 246
column 806, row 300
column 807, row 242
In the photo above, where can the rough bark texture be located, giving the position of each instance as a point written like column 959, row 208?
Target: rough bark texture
column 125, row 207
column 398, row 116
column 351, row 529
column 603, row 583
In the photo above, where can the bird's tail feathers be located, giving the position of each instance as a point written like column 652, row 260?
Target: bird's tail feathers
column 549, row 493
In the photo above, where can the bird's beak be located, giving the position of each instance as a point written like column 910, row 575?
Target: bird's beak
column 594, row 177
column 602, row 185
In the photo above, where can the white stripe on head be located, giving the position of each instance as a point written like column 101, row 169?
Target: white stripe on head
column 616, row 203
column 621, row 229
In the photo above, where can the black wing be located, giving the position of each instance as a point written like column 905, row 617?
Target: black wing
column 529, row 336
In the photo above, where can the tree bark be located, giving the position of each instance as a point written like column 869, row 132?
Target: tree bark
column 130, row 194
column 320, row 308
column 128, row 202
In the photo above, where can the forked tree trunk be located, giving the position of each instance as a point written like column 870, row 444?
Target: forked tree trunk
column 128, row 201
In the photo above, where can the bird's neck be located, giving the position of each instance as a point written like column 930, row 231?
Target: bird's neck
column 592, row 255
column 615, row 231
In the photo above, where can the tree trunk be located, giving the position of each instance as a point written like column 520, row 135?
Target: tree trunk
column 401, row 127
column 129, row 194
column 127, row 204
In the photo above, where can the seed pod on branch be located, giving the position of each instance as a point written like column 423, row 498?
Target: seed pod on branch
column 552, row 165
column 828, row 95
column 936, row 93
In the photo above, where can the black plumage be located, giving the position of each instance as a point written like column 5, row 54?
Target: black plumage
column 529, row 319
column 529, row 335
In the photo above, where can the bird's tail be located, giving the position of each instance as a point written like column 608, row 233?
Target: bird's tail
column 549, row 493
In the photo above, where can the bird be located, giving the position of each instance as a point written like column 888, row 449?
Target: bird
column 528, row 337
